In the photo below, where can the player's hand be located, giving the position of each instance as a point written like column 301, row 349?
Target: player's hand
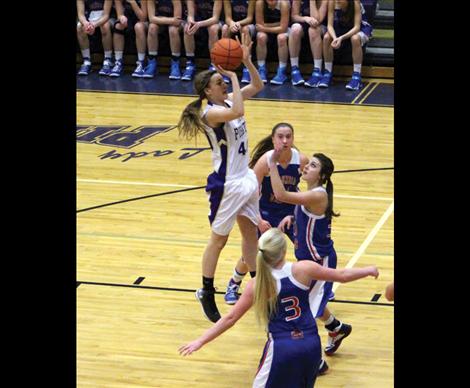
column 260, row 28
column 123, row 21
column 286, row 223
column 192, row 27
column 177, row 21
column 263, row 226
column 336, row 44
column 246, row 46
column 186, row 350
column 275, row 156
column 374, row 271
column 234, row 27
column 227, row 73
column 90, row 28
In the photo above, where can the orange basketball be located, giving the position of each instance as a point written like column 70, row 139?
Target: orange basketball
column 227, row 53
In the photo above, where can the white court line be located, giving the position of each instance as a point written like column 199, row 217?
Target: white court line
column 132, row 183
column 367, row 241
column 190, row 186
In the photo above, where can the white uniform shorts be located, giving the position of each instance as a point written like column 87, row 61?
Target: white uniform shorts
column 236, row 197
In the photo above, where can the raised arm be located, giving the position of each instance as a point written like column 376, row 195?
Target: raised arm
column 255, row 85
column 223, row 324
column 315, row 201
column 219, row 114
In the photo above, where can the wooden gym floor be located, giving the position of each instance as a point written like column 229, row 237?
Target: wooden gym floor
column 142, row 227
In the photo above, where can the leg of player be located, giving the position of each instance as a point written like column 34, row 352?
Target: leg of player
column 205, row 295
column 337, row 331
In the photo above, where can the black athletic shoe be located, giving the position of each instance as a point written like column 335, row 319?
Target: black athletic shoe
column 323, row 367
column 336, row 337
column 208, row 304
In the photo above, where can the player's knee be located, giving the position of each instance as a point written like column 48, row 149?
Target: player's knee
column 139, row 28
column 296, row 30
column 314, row 32
column 282, row 39
column 261, row 38
column 105, row 28
column 173, row 31
column 119, row 29
column 356, row 40
column 214, row 30
column 153, row 29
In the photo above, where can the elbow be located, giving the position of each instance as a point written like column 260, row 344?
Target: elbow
column 343, row 276
column 238, row 112
column 230, row 320
column 280, row 195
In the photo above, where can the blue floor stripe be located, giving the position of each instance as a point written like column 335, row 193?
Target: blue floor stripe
column 161, row 85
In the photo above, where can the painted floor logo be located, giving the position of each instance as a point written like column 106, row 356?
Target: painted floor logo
column 119, row 136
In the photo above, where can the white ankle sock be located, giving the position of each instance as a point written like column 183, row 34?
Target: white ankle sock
column 294, row 61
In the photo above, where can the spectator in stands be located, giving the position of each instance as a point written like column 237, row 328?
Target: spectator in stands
column 203, row 16
column 272, row 20
column 307, row 20
column 239, row 15
column 93, row 14
column 131, row 19
column 346, row 24
column 164, row 15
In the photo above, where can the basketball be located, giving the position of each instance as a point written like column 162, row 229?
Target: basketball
column 227, row 53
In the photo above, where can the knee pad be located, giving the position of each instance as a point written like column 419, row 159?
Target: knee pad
column 116, row 31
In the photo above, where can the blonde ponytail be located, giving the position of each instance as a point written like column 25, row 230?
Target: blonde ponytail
column 272, row 249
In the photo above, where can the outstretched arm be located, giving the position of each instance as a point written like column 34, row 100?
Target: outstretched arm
column 223, row 324
column 306, row 271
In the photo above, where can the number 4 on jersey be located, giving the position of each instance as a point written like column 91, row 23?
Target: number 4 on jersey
column 242, row 149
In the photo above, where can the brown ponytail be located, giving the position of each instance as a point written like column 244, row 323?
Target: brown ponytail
column 190, row 122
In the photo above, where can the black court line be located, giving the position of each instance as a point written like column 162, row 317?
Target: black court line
column 217, row 292
column 139, row 280
column 365, row 169
column 202, row 187
column 144, row 197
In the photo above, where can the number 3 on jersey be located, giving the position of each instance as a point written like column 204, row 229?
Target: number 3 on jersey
column 294, row 306
column 242, row 149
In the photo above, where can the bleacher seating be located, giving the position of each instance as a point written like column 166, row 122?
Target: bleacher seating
column 378, row 52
